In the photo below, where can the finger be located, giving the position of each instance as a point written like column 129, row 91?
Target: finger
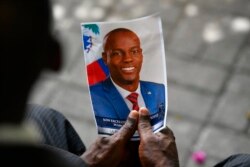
column 144, row 126
column 128, row 129
column 168, row 132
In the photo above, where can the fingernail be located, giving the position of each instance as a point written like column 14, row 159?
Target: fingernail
column 143, row 111
column 133, row 114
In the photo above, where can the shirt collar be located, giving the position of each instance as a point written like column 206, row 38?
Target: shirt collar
column 124, row 93
column 22, row 133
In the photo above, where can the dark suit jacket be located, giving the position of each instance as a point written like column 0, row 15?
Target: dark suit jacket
column 55, row 128
column 61, row 146
column 107, row 101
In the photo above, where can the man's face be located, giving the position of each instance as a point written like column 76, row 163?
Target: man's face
column 123, row 56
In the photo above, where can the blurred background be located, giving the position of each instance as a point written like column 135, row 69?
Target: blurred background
column 207, row 45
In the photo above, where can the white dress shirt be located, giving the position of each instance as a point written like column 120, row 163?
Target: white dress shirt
column 124, row 93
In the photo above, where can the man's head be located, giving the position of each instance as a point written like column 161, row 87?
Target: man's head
column 27, row 47
column 123, row 56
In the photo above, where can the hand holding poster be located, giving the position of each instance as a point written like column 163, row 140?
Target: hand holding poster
column 126, row 69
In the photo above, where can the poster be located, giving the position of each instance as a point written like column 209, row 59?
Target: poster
column 121, row 58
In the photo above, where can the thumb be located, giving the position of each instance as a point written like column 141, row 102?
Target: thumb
column 144, row 126
column 129, row 128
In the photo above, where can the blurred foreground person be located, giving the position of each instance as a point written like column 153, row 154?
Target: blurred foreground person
column 26, row 48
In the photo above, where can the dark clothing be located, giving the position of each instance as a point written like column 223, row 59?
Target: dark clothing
column 56, row 129
column 59, row 136
column 237, row 160
column 30, row 155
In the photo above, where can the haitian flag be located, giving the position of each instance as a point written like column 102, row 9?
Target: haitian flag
column 92, row 48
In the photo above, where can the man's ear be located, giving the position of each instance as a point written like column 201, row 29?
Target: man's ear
column 104, row 57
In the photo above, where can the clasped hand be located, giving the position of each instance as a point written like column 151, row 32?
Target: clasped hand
column 155, row 149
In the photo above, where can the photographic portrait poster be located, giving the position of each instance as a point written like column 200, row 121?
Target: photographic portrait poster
column 105, row 76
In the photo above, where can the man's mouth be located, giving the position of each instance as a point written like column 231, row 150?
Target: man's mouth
column 128, row 69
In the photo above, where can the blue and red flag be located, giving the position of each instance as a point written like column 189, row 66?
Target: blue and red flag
column 92, row 45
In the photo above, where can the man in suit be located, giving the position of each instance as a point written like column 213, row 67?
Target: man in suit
column 123, row 56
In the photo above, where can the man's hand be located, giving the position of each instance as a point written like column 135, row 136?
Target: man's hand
column 156, row 150
column 109, row 151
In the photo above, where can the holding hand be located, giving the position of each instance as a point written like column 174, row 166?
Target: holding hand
column 157, row 149
column 109, row 151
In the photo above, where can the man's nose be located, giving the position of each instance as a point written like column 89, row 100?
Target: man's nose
column 127, row 57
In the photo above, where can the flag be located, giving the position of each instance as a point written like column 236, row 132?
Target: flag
column 92, row 48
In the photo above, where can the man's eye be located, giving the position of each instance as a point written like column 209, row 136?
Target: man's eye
column 116, row 53
column 136, row 51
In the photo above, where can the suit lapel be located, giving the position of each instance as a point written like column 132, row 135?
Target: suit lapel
column 147, row 96
column 115, row 99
